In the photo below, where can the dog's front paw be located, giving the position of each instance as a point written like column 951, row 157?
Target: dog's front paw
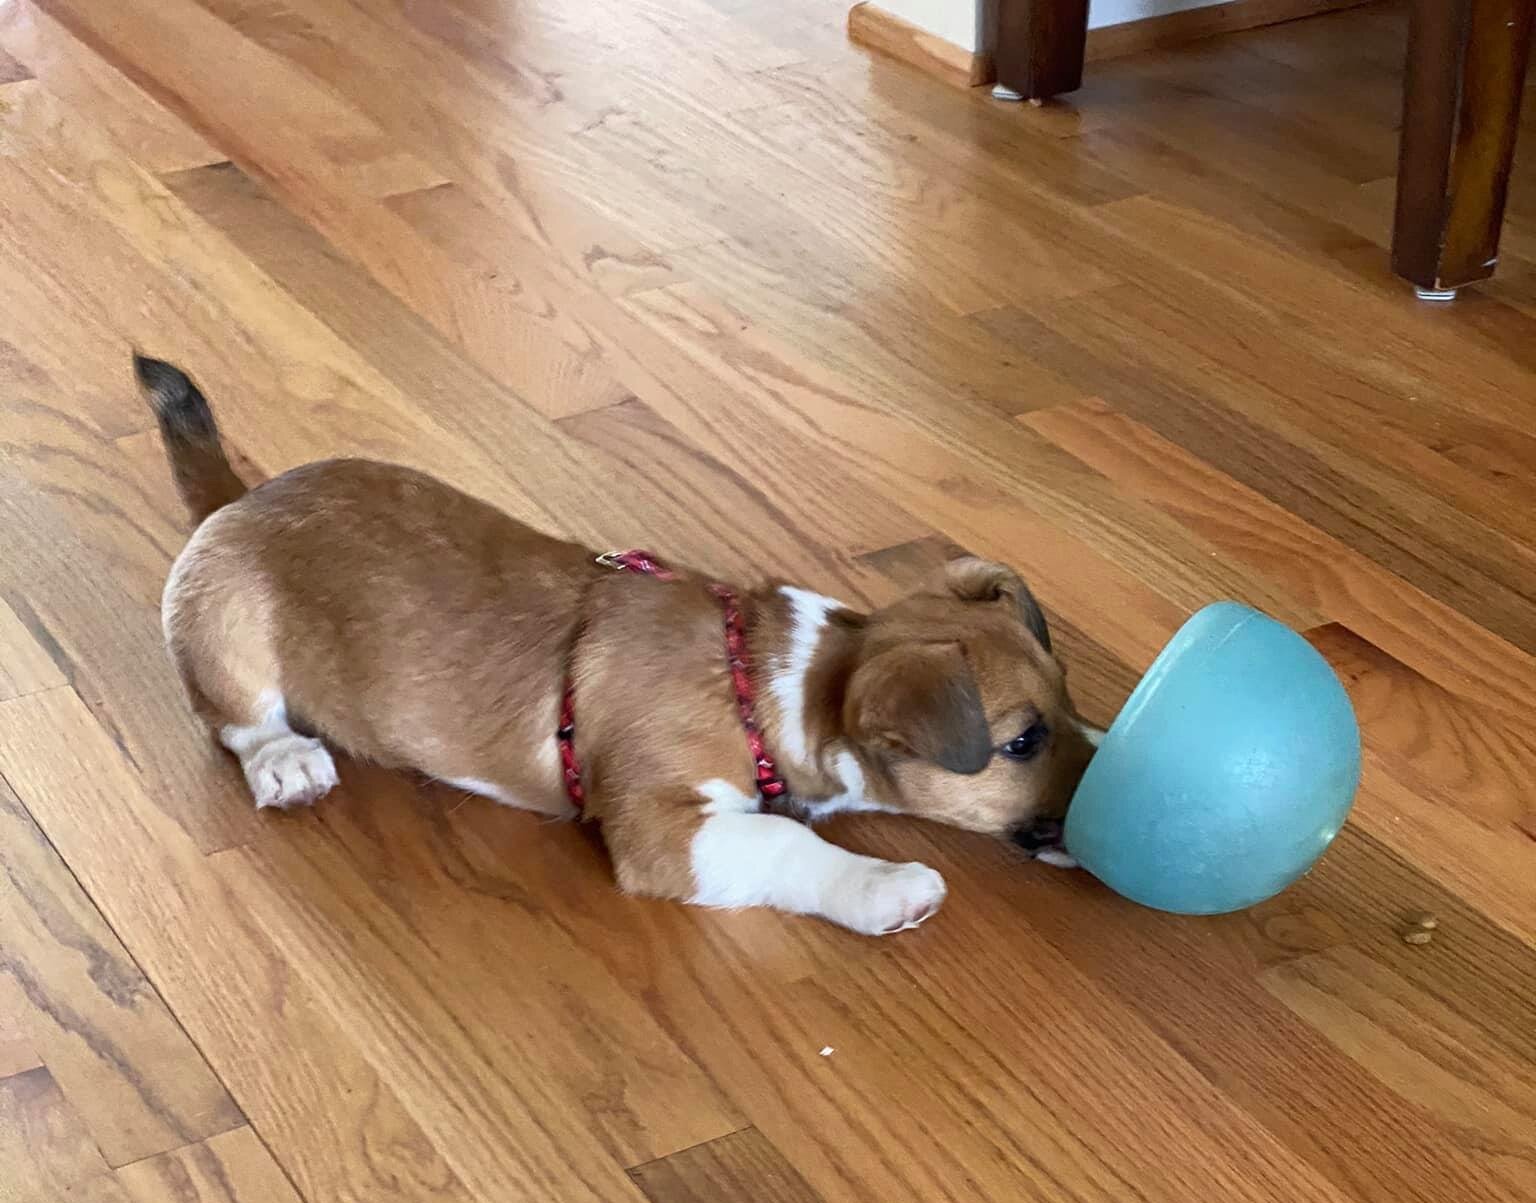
column 291, row 771
column 882, row 898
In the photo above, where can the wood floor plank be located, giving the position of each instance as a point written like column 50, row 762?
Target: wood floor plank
column 45, row 1149
column 16, row 1052
column 474, row 134
column 1338, row 580
column 1434, row 546
column 496, row 315
column 570, row 1027
column 677, row 386
column 25, row 665
column 12, row 71
column 298, row 1075
column 1430, row 1057
column 657, row 380
column 1488, row 867
column 136, row 1081
column 649, row 384
column 740, row 1168
column 1399, row 344
column 503, row 1131
column 72, row 72
column 1195, row 981
column 501, row 131
column 1014, row 499
column 1482, row 972
column 154, row 246
column 973, row 1128
column 725, row 153
column 696, row 274
column 107, row 643
column 923, row 351
column 1438, row 786
column 733, row 516
column 611, row 495
column 1446, row 742
column 131, row 532
column 477, row 240
column 398, row 344
column 231, row 1168
column 997, row 151
column 1399, row 432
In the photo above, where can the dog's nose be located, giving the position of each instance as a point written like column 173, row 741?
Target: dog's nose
column 1037, row 834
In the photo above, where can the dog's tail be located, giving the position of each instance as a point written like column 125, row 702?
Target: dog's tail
column 203, row 476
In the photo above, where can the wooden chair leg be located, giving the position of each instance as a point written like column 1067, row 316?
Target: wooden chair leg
column 1461, row 109
column 1040, row 46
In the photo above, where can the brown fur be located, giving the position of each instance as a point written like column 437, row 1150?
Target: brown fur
column 964, row 644
column 410, row 624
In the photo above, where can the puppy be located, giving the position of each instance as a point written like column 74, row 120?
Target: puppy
column 394, row 617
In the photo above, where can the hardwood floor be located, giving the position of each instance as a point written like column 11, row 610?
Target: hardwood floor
column 699, row 276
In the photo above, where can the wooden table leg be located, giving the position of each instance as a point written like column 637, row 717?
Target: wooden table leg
column 1461, row 108
column 1040, row 46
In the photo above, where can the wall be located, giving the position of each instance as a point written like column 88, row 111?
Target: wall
column 1118, row 12
column 967, row 23
column 959, row 21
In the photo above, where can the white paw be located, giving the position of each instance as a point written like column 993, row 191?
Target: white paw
column 290, row 771
column 882, row 898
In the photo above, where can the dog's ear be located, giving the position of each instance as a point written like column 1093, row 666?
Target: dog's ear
column 971, row 578
column 920, row 699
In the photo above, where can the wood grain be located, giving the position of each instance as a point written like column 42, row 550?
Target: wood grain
column 1237, row 1035
column 1339, row 581
column 569, row 1031
column 1455, row 557
column 503, row 1130
column 953, row 1125
column 25, row 665
column 46, row 1151
column 16, row 1052
column 697, row 274
column 738, row 1168
column 265, row 1034
column 231, row 1168
column 11, row 71
column 1435, row 1060
column 126, row 1067
column 606, row 473
column 1439, row 738
column 1165, row 30
column 158, row 140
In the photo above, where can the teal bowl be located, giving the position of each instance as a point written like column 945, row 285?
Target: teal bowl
column 1229, row 771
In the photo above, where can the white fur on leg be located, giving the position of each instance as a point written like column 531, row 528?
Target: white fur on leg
column 766, row 860
column 282, row 767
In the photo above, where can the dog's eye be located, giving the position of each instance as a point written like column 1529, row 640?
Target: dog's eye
column 1029, row 745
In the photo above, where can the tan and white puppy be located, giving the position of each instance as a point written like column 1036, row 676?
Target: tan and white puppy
column 396, row 618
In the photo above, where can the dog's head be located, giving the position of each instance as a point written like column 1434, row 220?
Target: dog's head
column 955, row 692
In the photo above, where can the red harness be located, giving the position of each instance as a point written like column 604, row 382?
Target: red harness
column 770, row 786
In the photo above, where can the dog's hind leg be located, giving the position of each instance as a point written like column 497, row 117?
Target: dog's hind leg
column 282, row 767
column 218, row 630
